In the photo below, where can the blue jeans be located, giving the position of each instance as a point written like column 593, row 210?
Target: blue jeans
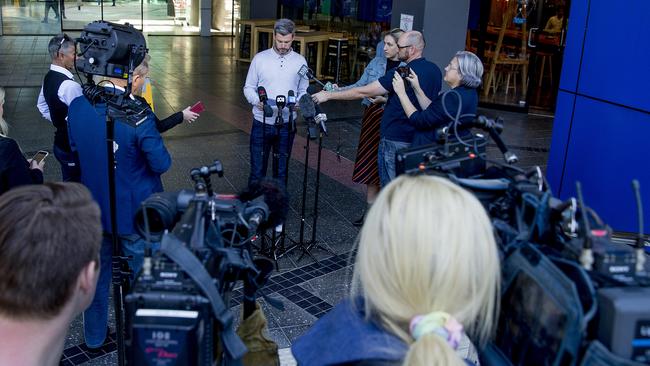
column 70, row 168
column 263, row 138
column 386, row 159
column 96, row 316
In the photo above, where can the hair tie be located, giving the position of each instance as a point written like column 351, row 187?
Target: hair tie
column 439, row 323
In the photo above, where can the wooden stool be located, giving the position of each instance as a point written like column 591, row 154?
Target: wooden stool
column 337, row 57
column 545, row 56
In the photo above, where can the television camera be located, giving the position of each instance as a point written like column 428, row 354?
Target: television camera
column 571, row 295
column 177, row 312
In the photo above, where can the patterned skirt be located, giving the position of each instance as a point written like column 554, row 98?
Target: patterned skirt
column 365, row 167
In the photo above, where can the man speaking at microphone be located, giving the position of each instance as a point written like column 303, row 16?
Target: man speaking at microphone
column 272, row 74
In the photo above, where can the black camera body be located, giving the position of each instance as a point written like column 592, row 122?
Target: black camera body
column 177, row 312
column 454, row 156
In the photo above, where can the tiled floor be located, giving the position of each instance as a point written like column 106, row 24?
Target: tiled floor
column 188, row 69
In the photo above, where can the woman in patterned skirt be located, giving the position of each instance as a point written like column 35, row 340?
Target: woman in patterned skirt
column 365, row 166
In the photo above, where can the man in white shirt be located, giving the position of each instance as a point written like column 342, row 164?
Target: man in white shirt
column 58, row 91
column 275, row 69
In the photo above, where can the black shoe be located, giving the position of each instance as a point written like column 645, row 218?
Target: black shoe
column 359, row 222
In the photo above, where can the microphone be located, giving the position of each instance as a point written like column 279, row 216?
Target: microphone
column 306, row 72
column 291, row 102
column 261, row 93
column 273, row 195
column 308, row 110
column 307, row 107
column 319, row 116
column 493, row 128
column 291, row 99
column 280, row 102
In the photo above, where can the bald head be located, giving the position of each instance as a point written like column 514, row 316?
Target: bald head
column 411, row 44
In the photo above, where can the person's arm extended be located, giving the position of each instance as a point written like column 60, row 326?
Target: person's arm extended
column 370, row 90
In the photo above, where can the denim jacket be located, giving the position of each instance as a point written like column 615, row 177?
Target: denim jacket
column 375, row 69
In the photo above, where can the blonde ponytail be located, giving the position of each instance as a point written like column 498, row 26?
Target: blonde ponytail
column 431, row 350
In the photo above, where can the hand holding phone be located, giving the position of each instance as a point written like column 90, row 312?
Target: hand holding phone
column 40, row 156
column 38, row 160
column 198, row 107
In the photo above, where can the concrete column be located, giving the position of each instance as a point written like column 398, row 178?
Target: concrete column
column 206, row 17
column 443, row 24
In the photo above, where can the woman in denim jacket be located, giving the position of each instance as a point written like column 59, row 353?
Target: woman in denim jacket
column 365, row 166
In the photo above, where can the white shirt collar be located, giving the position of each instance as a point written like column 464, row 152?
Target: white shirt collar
column 117, row 87
column 62, row 70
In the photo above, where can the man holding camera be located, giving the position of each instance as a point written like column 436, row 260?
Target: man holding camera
column 275, row 73
column 58, row 91
column 49, row 245
column 140, row 159
column 396, row 131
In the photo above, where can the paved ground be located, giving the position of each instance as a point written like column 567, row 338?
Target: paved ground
column 187, row 69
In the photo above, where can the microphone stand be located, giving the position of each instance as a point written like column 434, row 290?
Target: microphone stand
column 313, row 243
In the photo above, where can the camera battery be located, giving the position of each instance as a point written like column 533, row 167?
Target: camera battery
column 624, row 321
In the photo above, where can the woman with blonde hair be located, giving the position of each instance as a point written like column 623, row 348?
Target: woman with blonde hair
column 15, row 170
column 426, row 272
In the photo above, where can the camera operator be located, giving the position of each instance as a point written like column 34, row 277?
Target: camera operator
column 49, row 245
column 396, row 131
column 276, row 70
column 140, row 159
column 463, row 75
column 58, row 91
column 417, row 282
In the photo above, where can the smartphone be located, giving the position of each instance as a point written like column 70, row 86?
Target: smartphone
column 40, row 155
column 198, row 107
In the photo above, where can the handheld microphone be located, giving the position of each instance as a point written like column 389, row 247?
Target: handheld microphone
column 319, row 116
column 280, row 102
column 305, row 72
column 261, row 93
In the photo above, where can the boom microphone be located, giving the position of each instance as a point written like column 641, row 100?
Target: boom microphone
column 261, row 93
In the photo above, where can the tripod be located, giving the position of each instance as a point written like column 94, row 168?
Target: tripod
column 313, row 132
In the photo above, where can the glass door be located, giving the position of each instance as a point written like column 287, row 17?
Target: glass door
column 521, row 56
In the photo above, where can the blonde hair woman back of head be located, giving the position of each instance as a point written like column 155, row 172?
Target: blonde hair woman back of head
column 427, row 246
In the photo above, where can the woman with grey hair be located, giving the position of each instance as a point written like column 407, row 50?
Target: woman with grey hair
column 463, row 75
column 15, row 170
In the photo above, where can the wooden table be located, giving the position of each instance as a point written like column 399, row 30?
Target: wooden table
column 302, row 37
column 253, row 23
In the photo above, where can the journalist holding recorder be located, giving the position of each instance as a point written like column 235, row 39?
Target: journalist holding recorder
column 420, row 286
column 15, row 170
column 463, row 75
